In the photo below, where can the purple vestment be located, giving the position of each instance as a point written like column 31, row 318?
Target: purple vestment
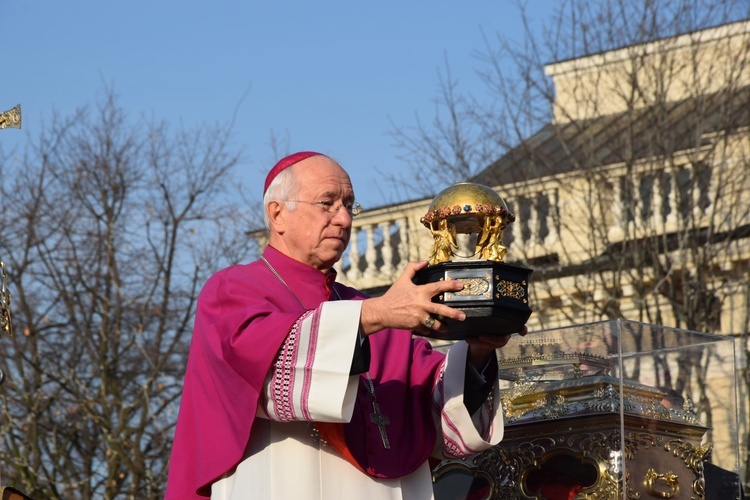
column 244, row 314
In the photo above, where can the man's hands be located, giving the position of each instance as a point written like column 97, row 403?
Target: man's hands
column 409, row 306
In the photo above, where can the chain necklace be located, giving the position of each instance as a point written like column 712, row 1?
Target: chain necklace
column 278, row 276
column 376, row 417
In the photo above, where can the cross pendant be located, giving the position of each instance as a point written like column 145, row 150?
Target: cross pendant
column 381, row 421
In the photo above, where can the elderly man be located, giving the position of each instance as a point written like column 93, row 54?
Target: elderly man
column 300, row 387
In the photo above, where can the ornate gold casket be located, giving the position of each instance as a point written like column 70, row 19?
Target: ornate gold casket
column 611, row 410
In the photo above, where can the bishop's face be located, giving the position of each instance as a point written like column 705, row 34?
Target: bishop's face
column 317, row 231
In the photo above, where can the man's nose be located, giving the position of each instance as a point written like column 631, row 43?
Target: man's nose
column 342, row 216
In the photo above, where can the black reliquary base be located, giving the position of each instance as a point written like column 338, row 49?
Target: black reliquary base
column 495, row 297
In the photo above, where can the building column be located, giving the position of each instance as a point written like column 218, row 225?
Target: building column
column 616, row 230
column 552, row 217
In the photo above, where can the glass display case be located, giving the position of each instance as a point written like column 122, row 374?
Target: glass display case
column 609, row 410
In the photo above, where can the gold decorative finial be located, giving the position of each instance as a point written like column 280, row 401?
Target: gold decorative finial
column 11, row 118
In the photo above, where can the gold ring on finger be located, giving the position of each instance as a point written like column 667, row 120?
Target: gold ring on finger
column 428, row 322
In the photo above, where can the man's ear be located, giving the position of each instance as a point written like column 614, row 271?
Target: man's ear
column 276, row 217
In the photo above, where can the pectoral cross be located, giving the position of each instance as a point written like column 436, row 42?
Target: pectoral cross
column 381, row 421
column 378, row 418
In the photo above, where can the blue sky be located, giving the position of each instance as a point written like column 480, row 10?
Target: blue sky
column 327, row 75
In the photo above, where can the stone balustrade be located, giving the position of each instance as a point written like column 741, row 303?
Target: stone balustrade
column 559, row 217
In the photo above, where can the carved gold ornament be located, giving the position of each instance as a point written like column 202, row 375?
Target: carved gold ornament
column 661, row 485
column 510, row 289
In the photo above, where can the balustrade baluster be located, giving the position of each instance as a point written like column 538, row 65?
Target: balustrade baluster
column 371, row 253
column 354, row 272
column 387, row 250
column 403, row 244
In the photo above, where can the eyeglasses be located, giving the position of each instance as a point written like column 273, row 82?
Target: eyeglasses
column 332, row 208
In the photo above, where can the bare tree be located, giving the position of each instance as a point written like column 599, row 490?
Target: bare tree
column 109, row 229
column 628, row 171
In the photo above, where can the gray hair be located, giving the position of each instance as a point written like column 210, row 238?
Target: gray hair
column 283, row 188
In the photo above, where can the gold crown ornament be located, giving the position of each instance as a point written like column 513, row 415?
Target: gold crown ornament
column 467, row 208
